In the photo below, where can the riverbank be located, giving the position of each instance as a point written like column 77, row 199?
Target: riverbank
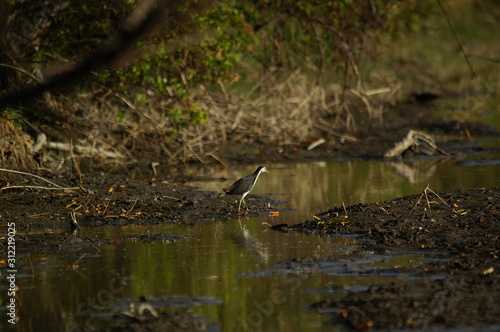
column 48, row 208
column 461, row 291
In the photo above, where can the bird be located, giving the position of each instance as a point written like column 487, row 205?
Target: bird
column 244, row 185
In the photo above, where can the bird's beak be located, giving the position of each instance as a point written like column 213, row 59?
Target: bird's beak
column 266, row 171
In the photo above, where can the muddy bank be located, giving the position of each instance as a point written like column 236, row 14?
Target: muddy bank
column 370, row 140
column 177, row 322
column 462, row 291
column 44, row 223
column 118, row 200
column 462, row 222
column 459, row 291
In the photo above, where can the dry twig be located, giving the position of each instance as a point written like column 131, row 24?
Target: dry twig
column 424, row 193
column 56, row 186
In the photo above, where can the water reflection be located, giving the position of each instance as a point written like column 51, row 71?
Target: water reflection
column 415, row 172
column 314, row 187
column 234, row 270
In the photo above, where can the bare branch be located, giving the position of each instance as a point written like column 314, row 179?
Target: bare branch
column 457, row 38
column 144, row 16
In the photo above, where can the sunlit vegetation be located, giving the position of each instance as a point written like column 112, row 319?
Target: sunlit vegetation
column 212, row 72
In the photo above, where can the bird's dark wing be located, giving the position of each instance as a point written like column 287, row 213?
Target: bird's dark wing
column 233, row 189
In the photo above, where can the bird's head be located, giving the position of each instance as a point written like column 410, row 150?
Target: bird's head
column 262, row 169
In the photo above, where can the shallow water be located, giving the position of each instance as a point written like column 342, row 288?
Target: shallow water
column 315, row 187
column 234, row 272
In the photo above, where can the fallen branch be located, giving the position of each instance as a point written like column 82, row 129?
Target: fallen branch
column 87, row 150
column 33, row 175
column 57, row 187
column 39, row 187
column 416, row 141
column 84, row 150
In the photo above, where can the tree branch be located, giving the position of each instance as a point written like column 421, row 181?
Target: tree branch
column 457, row 38
column 144, row 16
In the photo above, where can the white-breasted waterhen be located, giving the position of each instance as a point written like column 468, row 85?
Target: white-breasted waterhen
column 244, row 185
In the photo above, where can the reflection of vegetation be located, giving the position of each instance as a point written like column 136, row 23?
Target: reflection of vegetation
column 415, row 172
column 273, row 71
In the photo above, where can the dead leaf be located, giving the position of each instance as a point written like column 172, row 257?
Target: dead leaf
column 364, row 326
column 343, row 314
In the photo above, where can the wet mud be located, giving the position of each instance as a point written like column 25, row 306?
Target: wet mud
column 460, row 291
column 464, row 223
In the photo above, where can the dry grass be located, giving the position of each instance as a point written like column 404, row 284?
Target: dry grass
column 280, row 108
column 287, row 109
column 16, row 147
column 274, row 111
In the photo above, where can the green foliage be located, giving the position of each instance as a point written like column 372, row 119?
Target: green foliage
column 282, row 33
column 181, row 118
column 203, row 49
column 15, row 116
column 64, row 29
column 142, row 99
column 120, row 117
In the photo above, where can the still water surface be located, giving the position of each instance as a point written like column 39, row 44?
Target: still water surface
column 232, row 272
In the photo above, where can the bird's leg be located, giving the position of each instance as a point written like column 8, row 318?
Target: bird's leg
column 242, row 200
column 239, row 206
